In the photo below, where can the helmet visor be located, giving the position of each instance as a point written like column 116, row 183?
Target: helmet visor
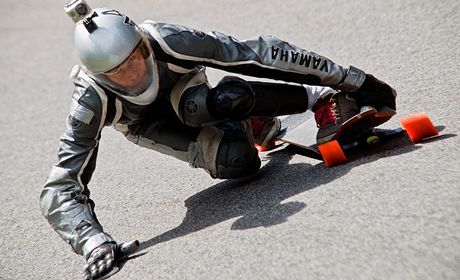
column 134, row 75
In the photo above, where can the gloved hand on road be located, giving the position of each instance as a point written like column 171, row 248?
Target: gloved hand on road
column 104, row 260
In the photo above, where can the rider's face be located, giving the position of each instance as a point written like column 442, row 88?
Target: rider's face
column 130, row 72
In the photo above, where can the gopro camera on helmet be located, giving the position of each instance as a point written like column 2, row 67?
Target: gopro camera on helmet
column 77, row 10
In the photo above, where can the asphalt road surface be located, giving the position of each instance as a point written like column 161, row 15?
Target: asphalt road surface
column 394, row 214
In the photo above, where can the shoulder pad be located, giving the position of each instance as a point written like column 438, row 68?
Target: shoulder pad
column 85, row 102
column 80, row 112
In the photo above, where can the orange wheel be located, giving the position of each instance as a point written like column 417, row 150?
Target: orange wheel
column 418, row 127
column 332, row 153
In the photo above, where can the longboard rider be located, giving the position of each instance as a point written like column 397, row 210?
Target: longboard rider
column 148, row 81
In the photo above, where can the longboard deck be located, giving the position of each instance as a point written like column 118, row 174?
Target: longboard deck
column 299, row 130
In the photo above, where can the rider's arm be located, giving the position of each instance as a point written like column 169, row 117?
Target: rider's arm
column 265, row 56
column 65, row 199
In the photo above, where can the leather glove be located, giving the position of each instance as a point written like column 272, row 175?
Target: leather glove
column 104, row 260
column 376, row 93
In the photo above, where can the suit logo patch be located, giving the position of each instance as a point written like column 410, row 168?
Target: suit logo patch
column 191, row 106
column 73, row 122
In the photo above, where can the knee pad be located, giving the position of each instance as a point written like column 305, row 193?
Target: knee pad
column 225, row 152
column 236, row 156
column 232, row 99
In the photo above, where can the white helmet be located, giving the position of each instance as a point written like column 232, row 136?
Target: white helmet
column 105, row 39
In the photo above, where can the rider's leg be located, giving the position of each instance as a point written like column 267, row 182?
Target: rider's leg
column 225, row 151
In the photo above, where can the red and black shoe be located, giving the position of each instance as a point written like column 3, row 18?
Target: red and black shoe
column 335, row 113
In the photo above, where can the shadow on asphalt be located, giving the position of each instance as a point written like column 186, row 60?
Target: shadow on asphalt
column 258, row 201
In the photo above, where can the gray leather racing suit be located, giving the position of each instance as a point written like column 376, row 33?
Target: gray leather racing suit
column 179, row 51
